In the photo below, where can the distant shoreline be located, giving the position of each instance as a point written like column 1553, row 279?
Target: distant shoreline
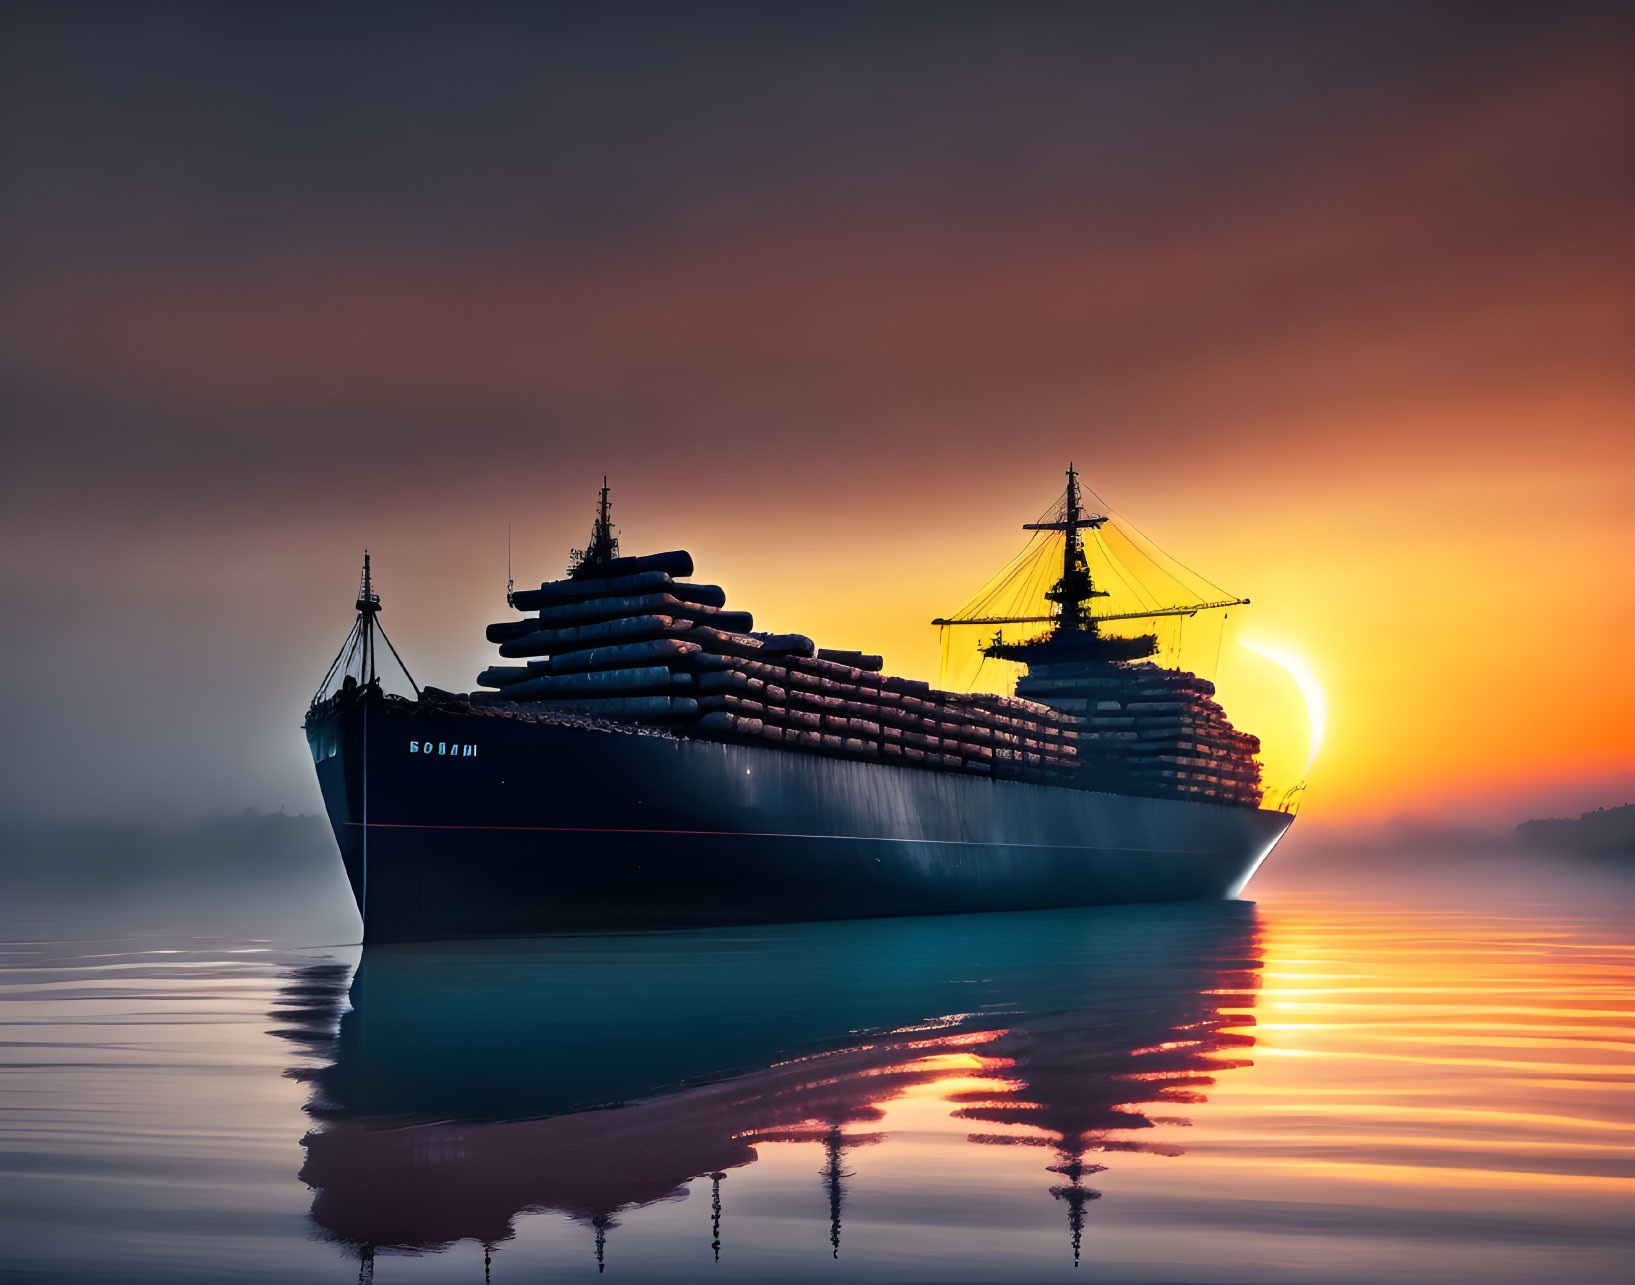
column 1604, row 832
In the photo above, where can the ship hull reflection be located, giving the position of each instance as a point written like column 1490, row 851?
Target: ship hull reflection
column 470, row 1082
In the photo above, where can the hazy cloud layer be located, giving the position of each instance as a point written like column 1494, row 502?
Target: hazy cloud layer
column 280, row 283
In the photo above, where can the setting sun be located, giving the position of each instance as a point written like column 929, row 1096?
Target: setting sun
column 1311, row 692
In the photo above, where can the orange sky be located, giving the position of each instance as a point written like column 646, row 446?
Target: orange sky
column 1335, row 305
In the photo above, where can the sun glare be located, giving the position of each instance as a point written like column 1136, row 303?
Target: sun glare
column 1310, row 690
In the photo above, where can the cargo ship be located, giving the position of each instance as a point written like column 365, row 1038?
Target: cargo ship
column 655, row 762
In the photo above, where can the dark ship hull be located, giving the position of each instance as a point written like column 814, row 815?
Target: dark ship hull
column 453, row 823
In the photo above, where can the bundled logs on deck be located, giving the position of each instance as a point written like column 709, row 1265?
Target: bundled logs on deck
column 566, row 592
column 1156, row 730
column 592, row 611
column 637, row 645
column 786, row 645
column 856, row 659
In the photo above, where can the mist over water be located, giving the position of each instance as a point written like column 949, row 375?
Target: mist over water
column 829, row 293
column 1412, row 1067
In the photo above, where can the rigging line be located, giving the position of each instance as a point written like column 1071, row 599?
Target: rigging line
column 979, row 605
column 1020, row 566
column 1133, row 588
column 330, row 672
column 1007, row 574
column 399, row 661
column 1026, row 574
column 992, row 585
column 1049, row 574
column 351, row 651
column 1136, row 535
column 1025, row 577
column 1219, row 637
column 1155, row 567
column 996, row 584
column 1015, row 587
column 1058, row 505
column 1050, row 567
column 1136, row 586
column 1038, row 582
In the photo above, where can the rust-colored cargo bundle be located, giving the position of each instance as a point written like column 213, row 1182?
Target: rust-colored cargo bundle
column 644, row 647
column 1154, row 730
column 630, row 639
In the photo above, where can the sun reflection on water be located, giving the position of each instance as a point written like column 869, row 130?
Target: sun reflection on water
column 1314, row 1089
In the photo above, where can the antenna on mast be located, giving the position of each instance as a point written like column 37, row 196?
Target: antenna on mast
column 604, row 545
column 368, row 606
column 510, row 583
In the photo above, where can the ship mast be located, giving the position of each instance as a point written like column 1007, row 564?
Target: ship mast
column 368, row 605
column 1071, row 619
column 835, row 1173
column 604, row 545
column 359, row 651
column 1074, row 590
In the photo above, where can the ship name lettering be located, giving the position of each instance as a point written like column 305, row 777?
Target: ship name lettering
column 448, row 749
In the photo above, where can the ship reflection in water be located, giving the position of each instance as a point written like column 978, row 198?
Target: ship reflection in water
column 470, row 1083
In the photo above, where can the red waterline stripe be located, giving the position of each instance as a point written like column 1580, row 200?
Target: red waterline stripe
column 591, row 829
column 760, row 834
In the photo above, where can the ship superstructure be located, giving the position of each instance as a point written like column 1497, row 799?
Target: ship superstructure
column 1143, row 728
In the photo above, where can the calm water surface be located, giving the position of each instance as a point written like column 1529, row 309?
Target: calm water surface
column 1316, row 1087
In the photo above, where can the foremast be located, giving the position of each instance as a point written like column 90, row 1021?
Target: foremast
column 356, row 664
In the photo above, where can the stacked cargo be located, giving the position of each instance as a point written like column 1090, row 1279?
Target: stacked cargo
column 1153, row 730
column 633, row 643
